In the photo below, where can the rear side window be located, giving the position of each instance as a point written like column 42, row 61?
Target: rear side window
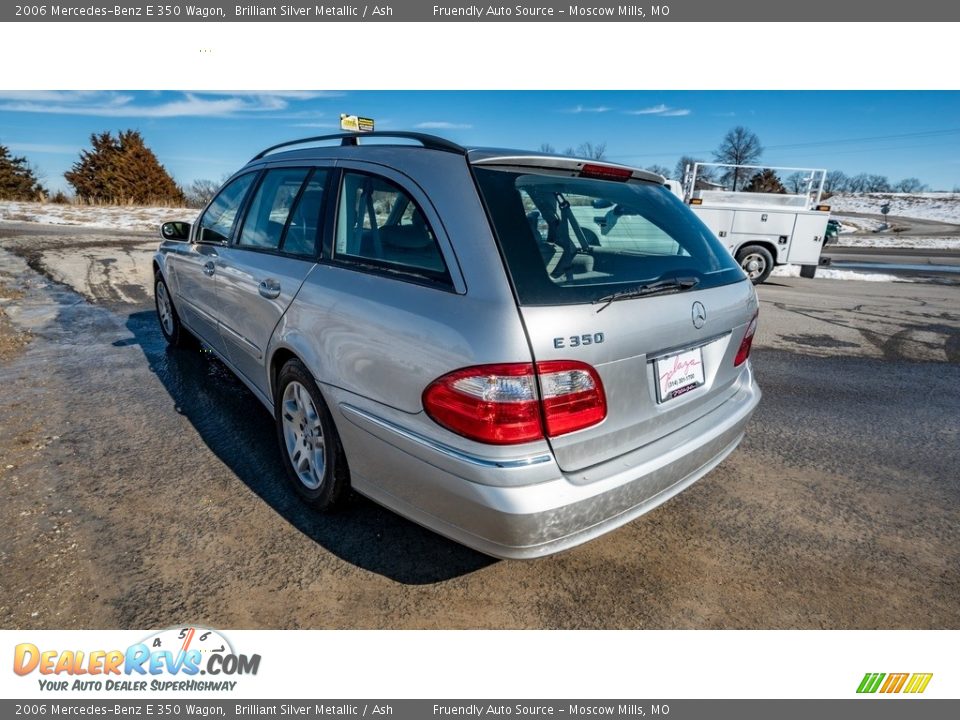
column 571, row 240
column 380, row 227
column 217, row 222
column 304, row 225
column 270, row 208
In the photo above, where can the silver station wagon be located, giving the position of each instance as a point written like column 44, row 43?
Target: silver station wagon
column 519, row 351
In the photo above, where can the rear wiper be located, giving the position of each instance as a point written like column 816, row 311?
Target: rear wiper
column 654, row 288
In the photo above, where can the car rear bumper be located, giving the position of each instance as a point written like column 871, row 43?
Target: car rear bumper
column 553, row 513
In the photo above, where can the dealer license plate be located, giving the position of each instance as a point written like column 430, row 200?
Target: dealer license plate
column 678, row 374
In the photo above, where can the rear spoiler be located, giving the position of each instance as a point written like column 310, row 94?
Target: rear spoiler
column 577, row 167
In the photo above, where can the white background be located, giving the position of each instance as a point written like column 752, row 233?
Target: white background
column 648, row 665
column 634, row 664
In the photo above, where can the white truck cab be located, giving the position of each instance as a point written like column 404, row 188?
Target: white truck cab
column 762, row 230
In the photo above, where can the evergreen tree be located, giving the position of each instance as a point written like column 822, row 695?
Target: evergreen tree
column 17, row 180
column 766, row 181
column 122, row 170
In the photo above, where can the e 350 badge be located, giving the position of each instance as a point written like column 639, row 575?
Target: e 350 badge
column 145, row 665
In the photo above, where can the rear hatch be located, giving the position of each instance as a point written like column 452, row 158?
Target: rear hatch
column 611, row 269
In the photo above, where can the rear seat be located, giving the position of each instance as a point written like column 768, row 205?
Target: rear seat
column 410, row 245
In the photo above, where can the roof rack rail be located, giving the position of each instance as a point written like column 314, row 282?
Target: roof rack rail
column 431, row 142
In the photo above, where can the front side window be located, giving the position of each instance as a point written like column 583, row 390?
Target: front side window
column 379, row 226
column 572, row 240
column 217, row 222
column 270, row 208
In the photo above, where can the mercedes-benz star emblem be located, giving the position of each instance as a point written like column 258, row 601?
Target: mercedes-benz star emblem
column 699, row 315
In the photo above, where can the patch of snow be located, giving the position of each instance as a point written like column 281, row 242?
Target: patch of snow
column 888, row 241
column 100, row 216
column 944, row 207
column 852, row 224
column 826, row 273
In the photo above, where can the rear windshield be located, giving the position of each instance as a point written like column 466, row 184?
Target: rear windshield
column 571, row 240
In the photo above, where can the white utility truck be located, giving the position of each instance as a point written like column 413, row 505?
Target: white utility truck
column 762, row 229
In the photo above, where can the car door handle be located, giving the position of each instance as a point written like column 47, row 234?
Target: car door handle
column 269, row 289
column 209, row 268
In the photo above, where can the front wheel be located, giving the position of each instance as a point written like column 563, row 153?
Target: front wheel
column 756, row 261
column 312, row 453
column 171, row 327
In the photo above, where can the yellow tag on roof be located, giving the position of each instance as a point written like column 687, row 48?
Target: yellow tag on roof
column 354, row 123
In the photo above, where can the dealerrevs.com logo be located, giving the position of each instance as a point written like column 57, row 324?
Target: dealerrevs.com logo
column 910, row 683
column 173, row 659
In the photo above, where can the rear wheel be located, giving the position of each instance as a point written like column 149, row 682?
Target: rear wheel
column 756, row 261
column 313, row 455
column 808, row 271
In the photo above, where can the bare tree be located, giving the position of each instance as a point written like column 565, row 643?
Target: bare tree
column 659, row 170
column 739, row 146
column 835, row 181
column 858, row 183
column 797, row 182
column 877, row 183
column 592, row 151
column 685, row 161
column 910, row 185
column 200, row 192
column 548, row 148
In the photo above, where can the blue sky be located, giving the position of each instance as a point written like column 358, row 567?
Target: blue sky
column 211, row 134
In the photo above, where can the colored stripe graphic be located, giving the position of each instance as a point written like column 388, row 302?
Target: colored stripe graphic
column 894, row 682
column 918, row 683
column 870, row 682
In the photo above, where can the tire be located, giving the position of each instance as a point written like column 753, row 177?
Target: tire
column 313, row 456
column 173, row 330
column 756, row 261
column 808, row 271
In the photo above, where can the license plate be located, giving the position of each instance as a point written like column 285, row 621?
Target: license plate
column 678, row 374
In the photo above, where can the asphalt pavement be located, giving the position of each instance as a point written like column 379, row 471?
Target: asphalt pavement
column 140, row 486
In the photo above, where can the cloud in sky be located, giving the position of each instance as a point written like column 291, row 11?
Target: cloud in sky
column 576, row 109
column 660, row 110
column 191, row 104
column 442, row 125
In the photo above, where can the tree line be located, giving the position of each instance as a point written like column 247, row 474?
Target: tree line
column 115, row 170
column 741, row 146
column 121, row 170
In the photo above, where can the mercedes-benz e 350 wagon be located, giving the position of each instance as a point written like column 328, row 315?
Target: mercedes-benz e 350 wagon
column 519, row 351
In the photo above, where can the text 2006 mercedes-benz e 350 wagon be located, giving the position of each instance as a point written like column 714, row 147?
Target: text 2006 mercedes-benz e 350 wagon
column 519, row 351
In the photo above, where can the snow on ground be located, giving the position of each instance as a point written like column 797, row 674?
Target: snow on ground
column 944, row 207
column 103, row 216
column 852, row 224
column 893, row 241
column 826, row 273
column 114, row 274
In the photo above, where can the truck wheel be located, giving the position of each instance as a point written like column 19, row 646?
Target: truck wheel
column 756, row 261
column 808, row 271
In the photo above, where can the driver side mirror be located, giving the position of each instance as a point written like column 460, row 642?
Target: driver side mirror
column 177, row 231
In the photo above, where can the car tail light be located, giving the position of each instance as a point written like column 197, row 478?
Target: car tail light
column 573, row 397
column 501, row 405
column 744, row 352
column 605, row 172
